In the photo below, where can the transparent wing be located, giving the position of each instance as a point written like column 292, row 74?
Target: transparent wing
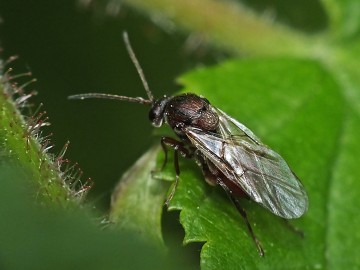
column 259, row 171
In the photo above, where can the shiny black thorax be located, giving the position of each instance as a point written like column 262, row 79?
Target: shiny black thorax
column 183, row 111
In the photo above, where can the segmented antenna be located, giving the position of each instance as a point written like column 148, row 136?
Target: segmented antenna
column 110, row 96
column 124, row 98
column 137, row 65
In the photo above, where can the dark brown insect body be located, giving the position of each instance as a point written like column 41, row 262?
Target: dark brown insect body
column 180, row 113
column 229, row 154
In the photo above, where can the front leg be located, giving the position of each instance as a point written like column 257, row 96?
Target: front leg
column 177, row 146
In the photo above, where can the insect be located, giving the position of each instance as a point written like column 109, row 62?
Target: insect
column 228, row 153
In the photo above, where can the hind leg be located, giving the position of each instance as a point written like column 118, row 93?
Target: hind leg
column 242, row 212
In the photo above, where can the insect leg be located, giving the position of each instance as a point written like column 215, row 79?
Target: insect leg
column 178, row 147
column 293, row 228
column 210, row 177
column 244, row 215
column 177, row 171
column 163, row 146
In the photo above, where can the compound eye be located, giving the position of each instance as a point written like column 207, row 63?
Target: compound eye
column 156, row 113
column 156, row 116
column 152, row 114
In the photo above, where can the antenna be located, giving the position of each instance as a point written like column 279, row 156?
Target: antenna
column 137, row 65
column 110, row 96
column 124, row 98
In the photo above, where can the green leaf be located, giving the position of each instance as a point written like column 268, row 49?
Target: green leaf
column 22, row 142
column 343, row 219
column 346, row 70
column 297, row 109
column 137, row 201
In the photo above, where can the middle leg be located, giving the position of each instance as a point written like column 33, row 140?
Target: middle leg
column 179, row 147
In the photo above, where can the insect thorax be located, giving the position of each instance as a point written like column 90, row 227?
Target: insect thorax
column 190, row 110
